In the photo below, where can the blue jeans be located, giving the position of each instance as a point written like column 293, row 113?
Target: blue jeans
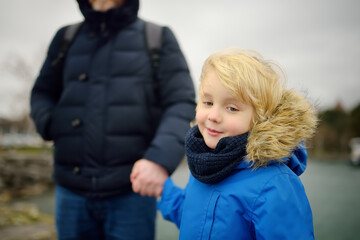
column 126, row 217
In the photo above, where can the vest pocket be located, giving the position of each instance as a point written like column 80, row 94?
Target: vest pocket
column 210, row 215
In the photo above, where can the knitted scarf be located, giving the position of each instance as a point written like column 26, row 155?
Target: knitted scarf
column 213, row 165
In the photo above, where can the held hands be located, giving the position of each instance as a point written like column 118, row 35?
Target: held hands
column 148, row 178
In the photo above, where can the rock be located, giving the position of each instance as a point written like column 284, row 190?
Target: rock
column 25, row 175
column 24, row 221
column 36, row 231
column 22, row 176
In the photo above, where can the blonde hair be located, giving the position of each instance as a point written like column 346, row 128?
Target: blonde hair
column 282, row 117
column 248, row 77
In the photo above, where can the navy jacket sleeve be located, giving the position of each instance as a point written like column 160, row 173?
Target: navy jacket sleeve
column 47, row 89
column 178, row 102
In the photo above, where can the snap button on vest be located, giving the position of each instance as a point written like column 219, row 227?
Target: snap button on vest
column 82, row 77
column 76, row 170
column 76, row 122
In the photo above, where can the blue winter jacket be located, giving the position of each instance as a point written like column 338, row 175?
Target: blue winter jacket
column 100, row 107
column 266, row 203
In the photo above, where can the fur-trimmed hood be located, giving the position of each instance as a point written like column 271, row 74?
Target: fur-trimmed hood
column 292, row 122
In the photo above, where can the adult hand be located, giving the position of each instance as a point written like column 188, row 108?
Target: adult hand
column 148, row 177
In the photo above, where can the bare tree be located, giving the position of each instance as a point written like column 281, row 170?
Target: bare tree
column 24, row 72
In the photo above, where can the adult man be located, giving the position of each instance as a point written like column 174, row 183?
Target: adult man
column 102, row 111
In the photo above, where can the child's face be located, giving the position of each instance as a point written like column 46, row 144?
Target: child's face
column 219, row 114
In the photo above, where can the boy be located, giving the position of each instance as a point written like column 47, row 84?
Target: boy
column 245, row 155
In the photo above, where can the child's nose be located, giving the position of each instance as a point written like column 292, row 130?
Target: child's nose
column 214, row 115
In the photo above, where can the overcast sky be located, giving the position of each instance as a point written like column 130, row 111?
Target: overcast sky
column 315, row 41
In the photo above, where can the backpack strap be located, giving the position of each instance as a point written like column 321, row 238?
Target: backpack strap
column 68, row 37
column 153, row 37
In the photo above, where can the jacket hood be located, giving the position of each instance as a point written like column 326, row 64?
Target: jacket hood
column 278, row 137
column 114, row 18
column 297, row 161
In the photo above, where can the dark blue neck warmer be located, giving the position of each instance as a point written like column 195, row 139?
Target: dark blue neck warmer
column 113, row 19
column 213, row 165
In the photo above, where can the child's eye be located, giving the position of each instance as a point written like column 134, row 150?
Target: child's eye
column 232, row 109
column 208, row 103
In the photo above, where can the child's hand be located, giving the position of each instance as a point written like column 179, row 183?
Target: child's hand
column 148, row 177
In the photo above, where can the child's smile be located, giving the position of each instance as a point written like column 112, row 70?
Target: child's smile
column 213, row 132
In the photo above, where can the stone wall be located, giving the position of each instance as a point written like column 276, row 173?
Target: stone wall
column 22, row 175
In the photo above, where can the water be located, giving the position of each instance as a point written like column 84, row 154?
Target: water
column 333, row 190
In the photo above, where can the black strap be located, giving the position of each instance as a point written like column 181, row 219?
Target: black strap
column 71, row 32
column 68, row 37
column 153, row 37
